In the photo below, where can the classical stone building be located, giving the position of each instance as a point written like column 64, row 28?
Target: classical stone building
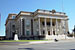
column 41, row 24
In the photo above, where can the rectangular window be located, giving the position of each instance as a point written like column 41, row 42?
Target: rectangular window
column 43, row 32
column 48, row 32
column 43, row 23
column 53, row 32
column 13, row 17
column 53, row 24
column 13, row 27
column 27, row 23
column 27, row 32
column 37, row 32
column 48, row 23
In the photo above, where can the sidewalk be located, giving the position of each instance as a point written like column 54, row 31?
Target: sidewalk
column 36, row 42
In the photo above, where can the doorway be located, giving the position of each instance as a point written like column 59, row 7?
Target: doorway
column 48, row 32
column 13, row 34
column 53, row 32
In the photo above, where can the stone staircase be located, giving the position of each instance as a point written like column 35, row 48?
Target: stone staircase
column 58, row 37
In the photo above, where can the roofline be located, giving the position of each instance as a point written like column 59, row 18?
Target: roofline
column 50, row 10
column 9, row 16
column 22, row 12
column 29, row 12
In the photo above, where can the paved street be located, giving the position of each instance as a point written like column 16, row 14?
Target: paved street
column 49, row 46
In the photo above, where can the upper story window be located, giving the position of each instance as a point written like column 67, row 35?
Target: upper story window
column 13, row 17
column 27, row 23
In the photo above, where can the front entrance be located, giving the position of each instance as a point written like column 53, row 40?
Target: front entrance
column 13, row 34
column 53, row 32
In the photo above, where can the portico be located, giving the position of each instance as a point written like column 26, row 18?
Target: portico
column 51, row 26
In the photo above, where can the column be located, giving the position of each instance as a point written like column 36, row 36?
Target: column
column 46, row 27
column 51, row 30
column 61, row 27
column 56, row 27
column 66, row 25
column 39, row 26
column 21, row 26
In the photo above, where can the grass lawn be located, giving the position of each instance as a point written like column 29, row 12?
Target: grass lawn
column 20, row 40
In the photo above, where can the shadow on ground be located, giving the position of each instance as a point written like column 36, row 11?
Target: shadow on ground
column 25, row 49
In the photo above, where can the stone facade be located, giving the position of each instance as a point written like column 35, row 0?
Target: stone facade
column 41, row 24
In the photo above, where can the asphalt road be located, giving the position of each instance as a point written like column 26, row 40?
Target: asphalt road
column 49, row 46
